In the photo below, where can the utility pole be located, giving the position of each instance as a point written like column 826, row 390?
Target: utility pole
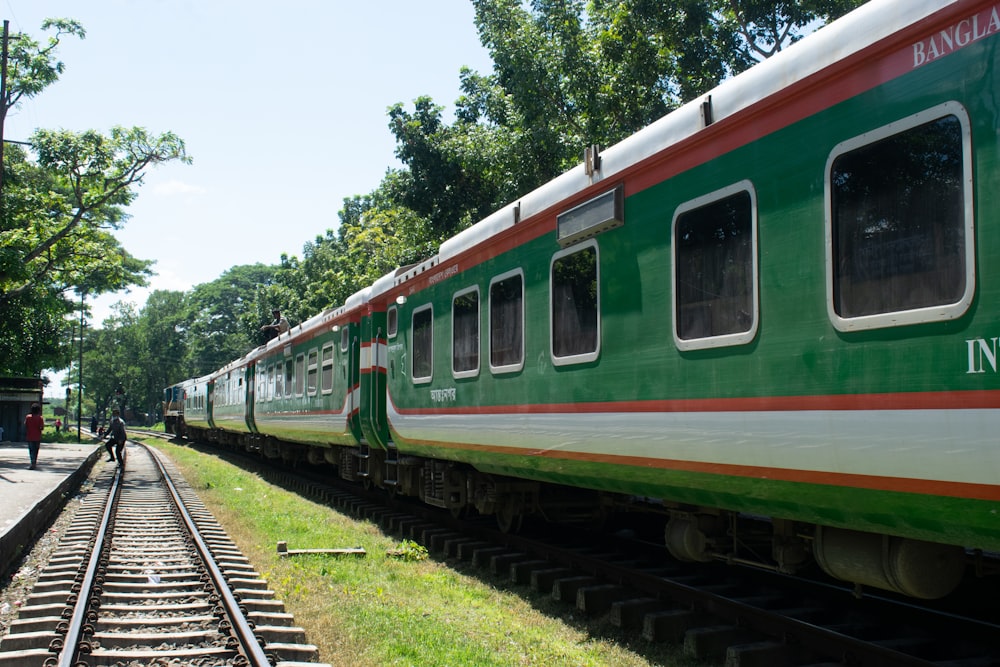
column 79, row 389
column 3, row 103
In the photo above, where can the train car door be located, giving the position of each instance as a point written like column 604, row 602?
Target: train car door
column 373, row 378
column 250, row 380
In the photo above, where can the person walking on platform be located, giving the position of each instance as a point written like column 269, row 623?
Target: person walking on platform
column 33, row 425
column 116, row 437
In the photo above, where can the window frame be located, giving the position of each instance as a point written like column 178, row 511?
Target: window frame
column 392, row 322
column 506, row 368
column 345, row 338
column 312, row 372
column 729, row 339
column 471, row 372
column 423, row 379
column 300, row 374
column 327, row 359
column 585, row 357
column 927, row 314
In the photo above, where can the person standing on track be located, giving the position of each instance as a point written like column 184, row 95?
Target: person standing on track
column 116, row 437
column 33, row 425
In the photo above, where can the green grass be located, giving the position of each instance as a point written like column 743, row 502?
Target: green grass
column 395, row 606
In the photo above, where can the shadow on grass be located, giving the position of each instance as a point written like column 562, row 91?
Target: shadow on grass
column 594, row 626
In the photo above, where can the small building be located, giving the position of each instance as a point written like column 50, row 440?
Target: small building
column 16, row 397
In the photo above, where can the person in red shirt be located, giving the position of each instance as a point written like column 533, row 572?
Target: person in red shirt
column 33, row 425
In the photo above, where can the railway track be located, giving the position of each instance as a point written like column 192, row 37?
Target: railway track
column 740, row 617
column 145, row 576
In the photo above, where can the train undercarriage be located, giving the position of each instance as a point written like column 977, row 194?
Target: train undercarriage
column 909, row 567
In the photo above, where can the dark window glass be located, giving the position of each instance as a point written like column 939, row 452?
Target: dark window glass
column 300, row 374
column 574, row 303
column 714, row 268
column 289, row 376
column 423, row 351
column 391, row 322
column 506, row 299
column 898, row 222
column 326, row 378
column 312, row 378
column 465, row 332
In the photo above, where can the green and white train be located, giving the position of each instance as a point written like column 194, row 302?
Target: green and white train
column 771, row 317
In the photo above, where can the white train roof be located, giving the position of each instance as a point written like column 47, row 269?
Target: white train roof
column 864, row 26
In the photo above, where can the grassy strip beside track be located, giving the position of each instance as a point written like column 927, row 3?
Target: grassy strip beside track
column 396, row 610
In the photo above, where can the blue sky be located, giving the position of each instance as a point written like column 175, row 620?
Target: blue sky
column 282, row 106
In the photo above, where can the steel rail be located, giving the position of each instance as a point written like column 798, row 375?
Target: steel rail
column 240, row 625
column 71, row 641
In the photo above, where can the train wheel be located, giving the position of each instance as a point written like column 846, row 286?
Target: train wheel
column 509, row 517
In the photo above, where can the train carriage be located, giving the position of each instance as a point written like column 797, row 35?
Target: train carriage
column 768, row 318
column 307, row 387
column 777, row 301
column 197, row 399
column 232, row 401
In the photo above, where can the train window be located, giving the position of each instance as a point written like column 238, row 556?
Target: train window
column 392, row 321
column 345, row 338
column 507, row 322
column 900, row 223
column 465, row 333
column 326, row 377
column 289, row 376
column 270, row 382
column 422, row 344
column 312, row 373
column 300, row 374
column 714, row 279
column 574, row 305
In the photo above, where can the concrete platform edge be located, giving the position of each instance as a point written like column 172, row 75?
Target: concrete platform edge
column 14, row 543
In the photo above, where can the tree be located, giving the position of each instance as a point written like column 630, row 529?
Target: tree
column 163, row 324
column 225, row 317
column 765, row 27
column 446, row 181
column 60, row 207
column 111, row 358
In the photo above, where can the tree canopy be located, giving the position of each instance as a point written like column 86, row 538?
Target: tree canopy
column 63, row 197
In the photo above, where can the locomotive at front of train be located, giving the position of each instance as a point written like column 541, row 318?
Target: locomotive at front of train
column 304, row 405
column 173, row 409
column 765, row 305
